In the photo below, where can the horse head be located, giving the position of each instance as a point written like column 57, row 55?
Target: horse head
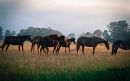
column 107, row 44
column 62, row 37
column 28, row 37
column 73, row 40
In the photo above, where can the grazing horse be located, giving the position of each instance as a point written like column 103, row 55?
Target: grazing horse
column 90, row 42
column 15, row 40
column 65, row 43
column 46, row 42
column 123, row 44
column 36, row 41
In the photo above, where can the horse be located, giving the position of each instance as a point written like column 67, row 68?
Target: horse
column 15, row 40
column 46, row 42
column 123, row 44
column 36, row 41
column 90, row 42
column 65, row 43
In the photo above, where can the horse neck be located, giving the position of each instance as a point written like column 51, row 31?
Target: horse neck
column 101, row 41
column 26, row 39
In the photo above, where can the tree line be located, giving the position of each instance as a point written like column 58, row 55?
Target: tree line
column 118, row 30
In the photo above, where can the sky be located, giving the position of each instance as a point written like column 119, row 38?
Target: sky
column 67, row 16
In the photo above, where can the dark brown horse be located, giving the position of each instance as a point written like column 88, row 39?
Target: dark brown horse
column 36, row 41
column 123, row 44
column 65, row 43
column 15, row 40
column 90, row 42
column 46, row 42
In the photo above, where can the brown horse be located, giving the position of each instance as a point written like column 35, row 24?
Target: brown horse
column 123, row 44
column 36, row 41
column 65, row 43
column 46, row 42
column 90, row 42
column 15, row 40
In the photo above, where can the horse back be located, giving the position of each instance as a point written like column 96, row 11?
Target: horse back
column 123, row 44
column 87, row 41
column 14, row 40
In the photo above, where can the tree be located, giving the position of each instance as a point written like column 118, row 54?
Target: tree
column 88, row 34
column 38, row 31
column 71, row 35
column 118, row 29
column 98, row 33
column 1, row 33
column 7, row 33
column 13, row 33
column 106, row 36
column 10, row 33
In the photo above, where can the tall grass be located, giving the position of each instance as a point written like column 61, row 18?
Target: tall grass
column 27, row 66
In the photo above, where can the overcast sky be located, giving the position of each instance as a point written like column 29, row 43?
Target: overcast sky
column 67, row 16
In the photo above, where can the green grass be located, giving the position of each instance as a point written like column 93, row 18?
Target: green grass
column 26, row 74
column 58, row 68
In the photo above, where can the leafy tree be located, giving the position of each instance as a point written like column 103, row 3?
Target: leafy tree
column 7, row 33
column 106, row 36
column 13, row 33
column 71, row 35
column 98, row 33
column 88, row 34
column 118, row 29
column 10, row 33
column 38, row 31
column 1, row 33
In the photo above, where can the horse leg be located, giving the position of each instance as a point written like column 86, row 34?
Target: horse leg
column 22, row 47
column 44, row 51
column 69, row 49
column 3, row 46
column 54, row 49
column 19, row 47
column 47, row 49
column 115, row 51
column 38, row 46
column 32, row 47
column 7, row 46
column 113, row 47
column 40, row 50
column 59, row 49
column 94, row 50
column 83, row 49
column 65, row 50
column 78, row 46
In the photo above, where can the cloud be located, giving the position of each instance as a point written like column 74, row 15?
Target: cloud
column 64, row 15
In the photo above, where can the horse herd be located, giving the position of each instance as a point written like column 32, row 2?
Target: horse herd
column 57, row 42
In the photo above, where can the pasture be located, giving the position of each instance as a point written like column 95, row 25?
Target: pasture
column 27, row 66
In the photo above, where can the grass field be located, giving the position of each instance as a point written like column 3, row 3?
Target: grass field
column 27, row 66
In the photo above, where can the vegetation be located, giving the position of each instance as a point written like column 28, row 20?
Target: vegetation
column 119, row 30
column 38, row 31
column 1, row 33
column 27, row 66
